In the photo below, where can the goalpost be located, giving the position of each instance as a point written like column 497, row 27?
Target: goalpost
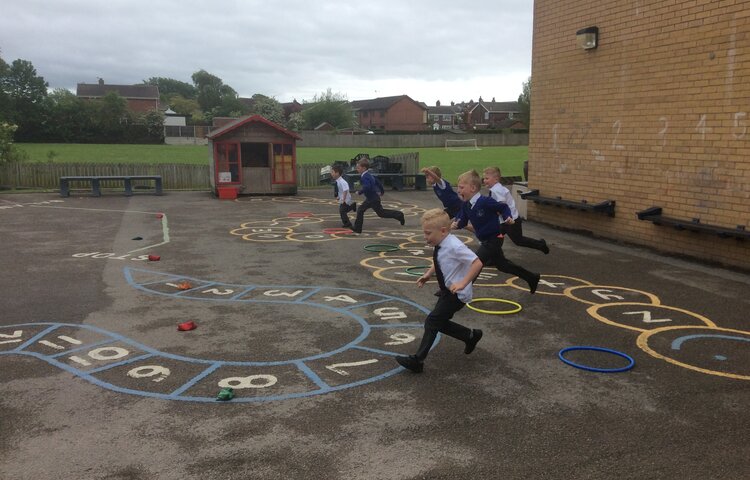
column 461, row 145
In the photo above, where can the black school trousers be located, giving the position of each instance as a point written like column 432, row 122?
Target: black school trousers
column 515, row 232
column 490, row 252
column 377, row 207
column 439, row 321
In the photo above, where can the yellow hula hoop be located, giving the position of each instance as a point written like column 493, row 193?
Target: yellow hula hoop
column 495, row 312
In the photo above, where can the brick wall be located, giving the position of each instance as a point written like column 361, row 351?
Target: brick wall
column 406, row 115
column 657, row 115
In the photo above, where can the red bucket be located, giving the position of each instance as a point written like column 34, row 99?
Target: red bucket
column 227, row 193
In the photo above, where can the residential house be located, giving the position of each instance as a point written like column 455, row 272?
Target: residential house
column 139, row 98
column 490, row 115
column 388, row 114
column 444, row 117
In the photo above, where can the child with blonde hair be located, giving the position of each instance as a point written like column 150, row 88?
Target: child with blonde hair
column 483, row 213
column 514, row 230
column 455, row 267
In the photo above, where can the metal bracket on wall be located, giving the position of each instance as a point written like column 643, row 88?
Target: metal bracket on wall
column 607, row 206
column 654, row 214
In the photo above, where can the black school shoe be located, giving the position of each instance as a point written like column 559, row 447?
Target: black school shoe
column 545, row 248
column 476, row 335
column 411, row 363
column 534, row 283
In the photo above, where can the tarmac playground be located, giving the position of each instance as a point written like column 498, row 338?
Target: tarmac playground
column 303, row 321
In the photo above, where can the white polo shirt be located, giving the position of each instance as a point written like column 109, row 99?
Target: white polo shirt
column 502, row 194
column 344, row 195
column 455, row 260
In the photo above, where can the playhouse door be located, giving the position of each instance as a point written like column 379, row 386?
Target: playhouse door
column 256, row 168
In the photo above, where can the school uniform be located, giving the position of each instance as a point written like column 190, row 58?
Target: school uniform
column 483, row 212
column 346, row 204
column 448, row 197
column 372, row 190
column 515, row 231
column 452, row 260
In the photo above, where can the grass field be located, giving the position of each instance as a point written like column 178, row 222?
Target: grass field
column 452, row 163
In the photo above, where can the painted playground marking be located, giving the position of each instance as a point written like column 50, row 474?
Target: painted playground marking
column 387, row 327
column 309, row 226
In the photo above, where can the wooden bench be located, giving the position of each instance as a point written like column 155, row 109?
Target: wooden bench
column 96, row 180
column 395, row 179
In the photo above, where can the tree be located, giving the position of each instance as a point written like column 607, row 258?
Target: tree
column 4, row 98
column 154, row 122
column 68, row 118
column 169, row 87
column 214, row 98
column 295, row 122
column 8, row 152
column 524, row 103
column 112, row 116
column 267, row 107
column 184, row 106
column 327, row 107
column 24, row 92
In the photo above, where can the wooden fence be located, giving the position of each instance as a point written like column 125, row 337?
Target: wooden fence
column 47, row 175
column 174, row 176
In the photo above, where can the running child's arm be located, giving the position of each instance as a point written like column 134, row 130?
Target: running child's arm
column 476, row 267
column 423, row 279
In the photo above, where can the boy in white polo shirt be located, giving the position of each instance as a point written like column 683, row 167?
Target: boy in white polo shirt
column 514, row 230
column 455, row 266
column 345, row 197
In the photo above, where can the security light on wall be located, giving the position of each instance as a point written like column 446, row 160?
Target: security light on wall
column 588, row 38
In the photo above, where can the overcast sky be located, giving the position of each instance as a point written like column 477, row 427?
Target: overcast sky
column 431, row 50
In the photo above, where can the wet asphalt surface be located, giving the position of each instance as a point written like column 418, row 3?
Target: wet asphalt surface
column 303, row 323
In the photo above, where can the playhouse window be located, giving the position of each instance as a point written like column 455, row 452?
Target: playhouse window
column 283, row 163
column 227, row 163
column 255, row 155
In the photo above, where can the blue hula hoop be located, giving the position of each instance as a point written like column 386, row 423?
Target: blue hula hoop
column 627, row 357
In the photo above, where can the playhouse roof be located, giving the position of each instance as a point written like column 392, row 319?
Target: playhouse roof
column 251, row 119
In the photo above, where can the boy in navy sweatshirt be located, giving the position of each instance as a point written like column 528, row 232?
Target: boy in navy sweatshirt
column 445, row 193
column 372, row 190
column 483, row 212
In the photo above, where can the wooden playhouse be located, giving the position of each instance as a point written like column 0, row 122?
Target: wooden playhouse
column 253, row 156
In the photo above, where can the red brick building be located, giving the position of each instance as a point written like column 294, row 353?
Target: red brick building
column 391, row 114
column 139, row 98
column 491, row 115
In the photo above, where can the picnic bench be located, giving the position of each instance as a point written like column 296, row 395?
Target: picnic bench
column 96, row 180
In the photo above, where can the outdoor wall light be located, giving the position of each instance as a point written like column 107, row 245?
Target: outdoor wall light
column 588, row 38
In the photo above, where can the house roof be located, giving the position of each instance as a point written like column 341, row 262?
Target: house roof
column 444, row 110
column 382, row 103
column 496, row 106
column 97, row 90
column 251, row 119
column 325, row 126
